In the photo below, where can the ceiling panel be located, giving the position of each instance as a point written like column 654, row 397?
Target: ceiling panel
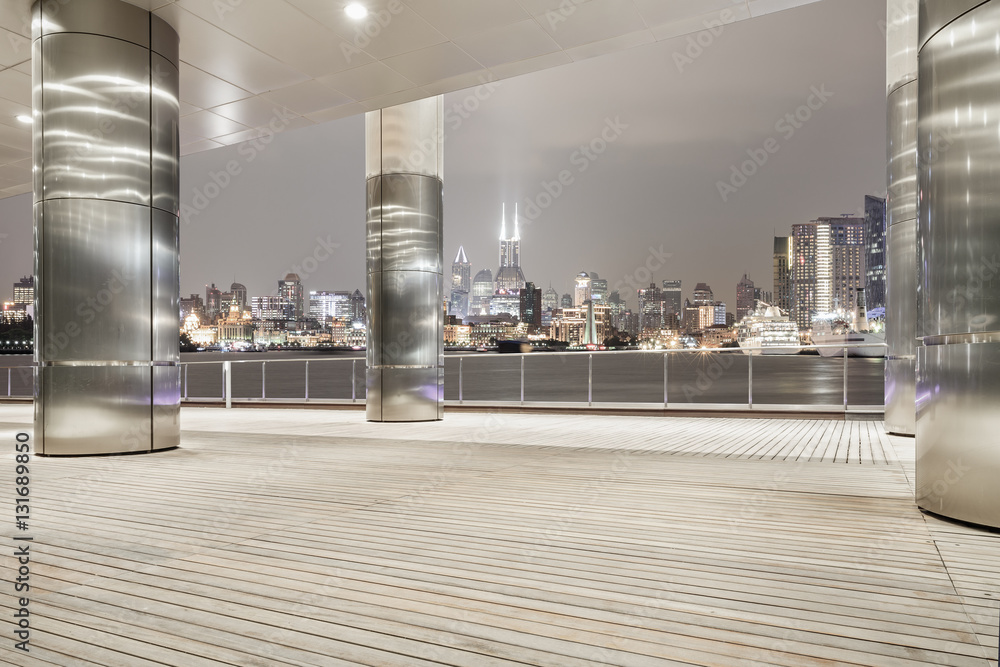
column 246, row 63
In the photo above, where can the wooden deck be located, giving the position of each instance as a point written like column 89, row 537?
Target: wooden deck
column 281, row 537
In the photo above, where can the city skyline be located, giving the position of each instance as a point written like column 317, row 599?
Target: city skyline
column 653, row 188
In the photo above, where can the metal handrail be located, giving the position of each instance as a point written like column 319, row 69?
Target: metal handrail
column 750, row 354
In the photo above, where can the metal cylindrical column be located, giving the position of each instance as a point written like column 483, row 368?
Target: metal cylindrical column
column 958, row 252
column 105, row 145
column 405, row 357
column 901, row 210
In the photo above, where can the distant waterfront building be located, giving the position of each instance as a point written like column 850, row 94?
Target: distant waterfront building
column 461, row 272
column 782, row 287
column 650, row 310
column 710, row 315
column 617, row 310
column 509, row 276
column 290, row 291
column 24, row 291
column 760, row 295
column 598, row 289
column 566, row 301
column 267, row 307
column 570, row 324
column 192, row 305
column 874, row 252
column 236, row 327
column 358, row 306
column 550, row 299
column 744, row 297
column 237, row 295
column 581, row 289
column 672, row 297
column 213, row 302
column 506, row 303
column 827, row 262
column 703, row 295
column 458, row 303
column 482, row 290
column 531, row 305
column 324, row 305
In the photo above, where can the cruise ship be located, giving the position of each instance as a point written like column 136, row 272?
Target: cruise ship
column 843, row 329
column 768, row 331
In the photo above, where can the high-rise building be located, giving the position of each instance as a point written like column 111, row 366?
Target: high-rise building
column 650, row 309
column 506, row 302
column 531, row 305
column 550, row 299
column 566, row 301
column 744, row 297
column 509, row 276
column 482, row 290
column 713, row 314
column 461, row 272
column 458, row 303
column 238, row 297
column 581, row 289
column 290, row 291
column 24, row 291
column 782, row 288
column 598, row 289
column 270, row 307
column 213, row 302
column 617, row 310
column 672, row 298
column 323, row 305
column 357, row 306
column 703, row 295
column 760, row 295
column 827, row 267
column 874, row 252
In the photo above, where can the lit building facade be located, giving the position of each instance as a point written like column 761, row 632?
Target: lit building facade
column 482, row 290
column 782, row 273
column 324, row 305
column 744, row 297
column 24, row 291
column 509, row 276
column 827, row 267
column 581, row 289
column 672, row 297
column 292, row 296
column 874, row 252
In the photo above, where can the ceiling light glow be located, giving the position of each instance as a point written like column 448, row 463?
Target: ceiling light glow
column 356, row 10
column 24, row 119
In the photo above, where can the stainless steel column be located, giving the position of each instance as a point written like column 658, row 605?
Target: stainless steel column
column 405, row 375
column 958, row 364
column 105, row 144
column 901, row 207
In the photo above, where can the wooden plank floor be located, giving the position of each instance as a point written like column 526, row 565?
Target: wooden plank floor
column 280, row 537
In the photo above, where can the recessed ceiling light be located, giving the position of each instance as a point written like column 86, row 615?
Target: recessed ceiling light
column 356, row 10
column 24, row 119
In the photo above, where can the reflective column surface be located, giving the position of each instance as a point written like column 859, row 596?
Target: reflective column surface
column 901, row 210
column 958, row 366
column 405, row 358
column 105, row 150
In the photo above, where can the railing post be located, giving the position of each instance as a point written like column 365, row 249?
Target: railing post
column 227, row 383
column 307, row 379
column 750, row 380
column 460, row 360
column 590, row 380
column 8, row 381
column 263, row 380
column 354, row 381
column 522, row 379
column 185, row 381
column 845, row 379
column 666, row 401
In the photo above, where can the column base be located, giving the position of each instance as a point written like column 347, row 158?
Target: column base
column 404, row 394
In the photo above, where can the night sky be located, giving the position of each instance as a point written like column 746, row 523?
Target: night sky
column 643, row 139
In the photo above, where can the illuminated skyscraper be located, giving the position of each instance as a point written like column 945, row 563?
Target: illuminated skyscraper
column 672, row 299
column 482, row 290
column 744, row 297
column 782, row 274
column 827, row 267
column 461, row 272
column 581, row 289
column 213, row 302
column 598, row 288
column 874, row 252
column 550, row 299
column 292, row 296
column 509, row 276
column 24, row 291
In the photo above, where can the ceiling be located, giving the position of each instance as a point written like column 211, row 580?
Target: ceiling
column 246, row 63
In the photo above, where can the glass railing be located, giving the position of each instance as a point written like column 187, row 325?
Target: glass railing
column 19, row 381
column 821, row 378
